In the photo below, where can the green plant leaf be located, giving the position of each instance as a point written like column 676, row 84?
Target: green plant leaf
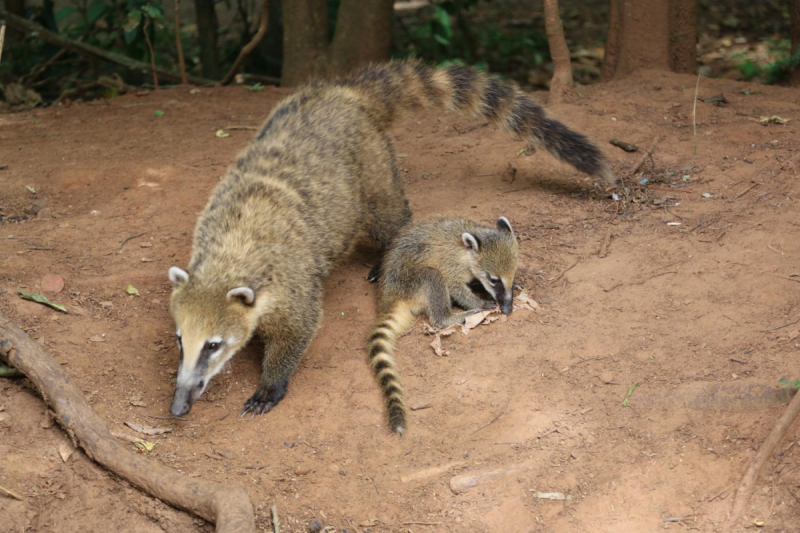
column 158, row 113
column 152, row 12
column 38, row 298
column 61, row 14
column 441, row 40
column 255, row 87
column 133, row 291
column 133, row 21
column 444, row 20
column 95, row 10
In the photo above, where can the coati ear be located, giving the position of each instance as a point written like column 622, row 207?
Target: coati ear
column 178, row 277
column 504, row 225
column 245, row 294
column 470, row 241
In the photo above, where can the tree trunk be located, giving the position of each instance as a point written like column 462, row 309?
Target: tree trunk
column 207, row 33
column 561, row 84
column 305, row 40
column 271, row 46
column 642, row 39
column 794, row 16
column 683, row 36
column 363, row 34
column 653, row 34
column 15, row 7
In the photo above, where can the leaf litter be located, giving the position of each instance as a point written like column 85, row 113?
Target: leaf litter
column 521, row 302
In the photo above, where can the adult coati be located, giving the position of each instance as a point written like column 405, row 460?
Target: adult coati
column 319, row 177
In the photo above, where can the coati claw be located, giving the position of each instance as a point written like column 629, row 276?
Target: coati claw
column 263, row 401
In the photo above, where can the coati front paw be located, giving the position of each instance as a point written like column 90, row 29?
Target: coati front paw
column 374, row 273
column 489, row 304
column 264, row 400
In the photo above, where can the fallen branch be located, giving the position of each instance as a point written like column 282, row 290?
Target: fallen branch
column 25, row 26
column 2, row 39
column 262, row 30
column 748, row 483
column 229, row 507
column 10, row 493
column 647, row 153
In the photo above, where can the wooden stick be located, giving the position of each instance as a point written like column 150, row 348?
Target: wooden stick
column 229, row 507
column 26, row 26
column 178, row 44
column 648, row 152
column 276, row 524
column 11, row 493
column 262, row 30
column 748, row 483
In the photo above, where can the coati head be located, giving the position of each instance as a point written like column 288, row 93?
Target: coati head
column 492, row 256
column 211, row 326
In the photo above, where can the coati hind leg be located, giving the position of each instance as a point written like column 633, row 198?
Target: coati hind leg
column 282, row 354
column 435, row 292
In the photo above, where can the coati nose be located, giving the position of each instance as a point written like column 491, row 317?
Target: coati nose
column 181, row 403
column 507, row 306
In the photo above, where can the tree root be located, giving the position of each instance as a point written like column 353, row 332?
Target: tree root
column 748, row 483
column 229, row 507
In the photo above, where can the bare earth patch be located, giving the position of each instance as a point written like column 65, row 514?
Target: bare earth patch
column 693, row 283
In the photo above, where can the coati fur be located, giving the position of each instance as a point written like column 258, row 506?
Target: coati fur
column 429, row 266
column 319, row 177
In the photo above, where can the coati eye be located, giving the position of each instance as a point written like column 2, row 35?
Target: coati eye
column 212, row 346
column 494, row 279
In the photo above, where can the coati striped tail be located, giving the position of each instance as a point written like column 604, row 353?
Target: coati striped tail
column 382, row 345
column 400, row 85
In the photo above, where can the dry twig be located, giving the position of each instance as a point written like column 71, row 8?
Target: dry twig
column 647, row 153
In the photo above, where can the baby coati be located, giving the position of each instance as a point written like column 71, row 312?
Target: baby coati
column 428, row 267
column 318, row 178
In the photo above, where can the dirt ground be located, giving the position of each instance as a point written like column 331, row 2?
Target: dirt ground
column 695, row 295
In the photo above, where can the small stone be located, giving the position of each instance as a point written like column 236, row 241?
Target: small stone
column 45, row 214
column 106, row 305
column 146, row 245
column 606, row 377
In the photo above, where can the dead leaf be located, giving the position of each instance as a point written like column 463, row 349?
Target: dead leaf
column 52, row 283
column 523, row 301
column 65, row 451
column 473, row 321
column 144, row 445
column 436, row 344
column 138, row 403
column 130, row 289
column 147, row 430
column 773, row 119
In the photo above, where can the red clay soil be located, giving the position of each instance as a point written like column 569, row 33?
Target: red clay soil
column 689, row 297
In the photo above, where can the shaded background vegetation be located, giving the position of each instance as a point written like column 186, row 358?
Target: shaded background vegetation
column 735, row 38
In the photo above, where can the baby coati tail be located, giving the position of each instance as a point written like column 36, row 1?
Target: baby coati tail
column 382, row 345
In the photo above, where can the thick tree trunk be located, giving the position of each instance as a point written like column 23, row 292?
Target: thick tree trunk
column 207, row 33
column 561, row 84
column 363, row 34
column 683, row 36
column 271, row 47
column 794, row 16
column 653, row 34
column 643, row 36
column 305, row 40
column 15, row 7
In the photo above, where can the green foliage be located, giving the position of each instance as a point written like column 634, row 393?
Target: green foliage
column 776, row 72
column 786, row 384
column 256, row 87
